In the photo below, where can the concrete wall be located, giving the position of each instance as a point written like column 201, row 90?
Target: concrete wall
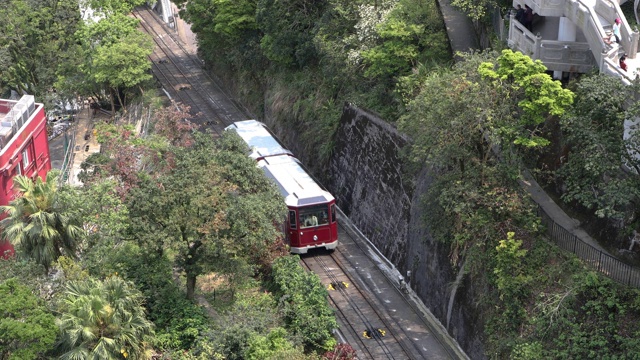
column 367, row 182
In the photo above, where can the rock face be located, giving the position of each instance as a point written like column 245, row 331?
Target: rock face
column 367, row 181
column 446, row 291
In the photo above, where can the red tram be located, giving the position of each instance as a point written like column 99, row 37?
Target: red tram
column 311, row 222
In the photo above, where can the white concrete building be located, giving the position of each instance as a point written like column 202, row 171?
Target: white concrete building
column 568, row 37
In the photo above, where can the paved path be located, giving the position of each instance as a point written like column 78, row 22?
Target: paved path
column 460, row 31
column 552, row 209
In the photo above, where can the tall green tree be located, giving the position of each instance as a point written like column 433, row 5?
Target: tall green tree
column 103, row 320
column 111, row 58
column 75, row 75
column 36, row 224
column 450, row 116
column 526, row 84
column 36, row 40
column 227, row 29
column 123, row 65
column 214, row 210
column 455, row 122
column 27, row 328
column 485, row 101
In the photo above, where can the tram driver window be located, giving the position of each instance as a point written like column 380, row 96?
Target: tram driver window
column 310, row 220
column 313, row 216
column 333, row 213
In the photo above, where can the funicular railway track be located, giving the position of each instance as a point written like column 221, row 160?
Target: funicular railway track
column 182, row 76
column 377, row 339
column 366, row 321
column 372, row 320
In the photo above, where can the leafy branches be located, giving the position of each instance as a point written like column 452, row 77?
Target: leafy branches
column 27, row 329
column 519, row 78
column 408, row 36
column 288, row 28
column 303, row 301
column 103, row 319
column 219, row 222
column 37, row 224
column 594, row 130
column 511, row 280
column 35, row 42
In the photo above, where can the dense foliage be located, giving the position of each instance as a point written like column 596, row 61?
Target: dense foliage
column 306, row 58
column 384, row 56
column 543, row 304
column 144, row 232
column 303, row 301
column 591, row 172
column 36, row 223
column 103, row 320
column 35, row 43
column 59, row 50
column 27, row 329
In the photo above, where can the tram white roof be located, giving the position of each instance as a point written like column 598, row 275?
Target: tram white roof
column 298, row 188
column 261, row 142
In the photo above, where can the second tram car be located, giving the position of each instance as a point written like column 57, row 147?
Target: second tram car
column 260, row 140
column 311, row 221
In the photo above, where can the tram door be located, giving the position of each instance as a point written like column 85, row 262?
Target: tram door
column 292, row 228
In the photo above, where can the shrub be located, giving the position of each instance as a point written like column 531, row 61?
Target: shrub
column 303, row 302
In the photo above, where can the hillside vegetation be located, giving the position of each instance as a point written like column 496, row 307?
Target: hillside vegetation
column 113, row 269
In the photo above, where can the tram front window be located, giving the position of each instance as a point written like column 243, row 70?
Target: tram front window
column 313, row 216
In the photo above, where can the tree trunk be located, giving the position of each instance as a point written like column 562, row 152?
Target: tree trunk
column 113, row 101
column 191, row 285
column 122, row 108
column 191, row 268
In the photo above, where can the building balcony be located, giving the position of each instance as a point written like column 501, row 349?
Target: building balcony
column 585, row 23
column 566, row 56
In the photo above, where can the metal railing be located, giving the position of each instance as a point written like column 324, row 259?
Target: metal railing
column 499, row 23
column 606, row 264
column 67, row 163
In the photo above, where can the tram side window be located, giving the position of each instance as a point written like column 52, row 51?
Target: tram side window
column 324, row 217
column 333, row 213
column 292, row 219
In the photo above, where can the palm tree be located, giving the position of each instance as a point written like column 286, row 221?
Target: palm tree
column 35, row 225
column 103, row 320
